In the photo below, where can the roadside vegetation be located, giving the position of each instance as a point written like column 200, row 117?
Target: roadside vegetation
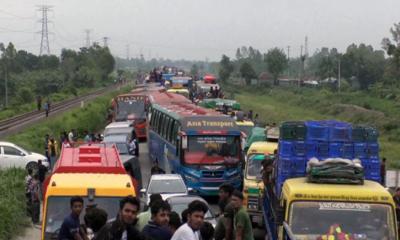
column 360, row 85
column 51, row 77
column 278, row 104
column 12, row 202
column 91, row 117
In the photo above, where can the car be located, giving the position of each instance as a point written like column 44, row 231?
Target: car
column 180, row 203
column 12, row 155
column 129, row 160
column 119, row 128
column 167, row 185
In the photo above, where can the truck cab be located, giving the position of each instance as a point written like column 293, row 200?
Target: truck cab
column 317, row 211
column 253, row 186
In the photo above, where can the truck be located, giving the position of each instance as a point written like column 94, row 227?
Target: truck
column 296, row 207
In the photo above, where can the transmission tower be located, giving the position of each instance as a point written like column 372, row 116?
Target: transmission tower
column 306, row 47
column 127, row 52
column 87, row 31
column 105, row 41
column 44, row 42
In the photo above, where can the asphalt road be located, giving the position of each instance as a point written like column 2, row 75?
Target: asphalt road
column 33, row 232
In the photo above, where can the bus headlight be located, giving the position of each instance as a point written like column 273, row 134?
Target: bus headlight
column 191, row 178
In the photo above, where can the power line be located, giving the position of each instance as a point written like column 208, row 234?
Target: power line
column 44, row 42
column 16, row 16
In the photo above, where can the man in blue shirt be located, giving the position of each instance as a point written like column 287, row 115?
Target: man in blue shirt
column 157, row 228
column 71, row 224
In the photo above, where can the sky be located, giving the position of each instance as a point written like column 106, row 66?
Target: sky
column 198, row 29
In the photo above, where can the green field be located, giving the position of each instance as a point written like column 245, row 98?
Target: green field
column 286, row 104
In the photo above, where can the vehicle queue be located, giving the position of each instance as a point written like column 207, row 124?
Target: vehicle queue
column 195, row 149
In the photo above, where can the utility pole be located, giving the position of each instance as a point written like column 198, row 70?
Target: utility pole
column 301, row 64
column 127, row 52
column 105, row 41
column 288, row 59
column 339, row 74
column 87, row 31
column 6, row 83
column 44, row 42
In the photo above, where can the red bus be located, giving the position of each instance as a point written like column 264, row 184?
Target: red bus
column 132, row 107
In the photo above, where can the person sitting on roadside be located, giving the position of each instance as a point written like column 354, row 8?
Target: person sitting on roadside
column 70, row 228
column 157, row 227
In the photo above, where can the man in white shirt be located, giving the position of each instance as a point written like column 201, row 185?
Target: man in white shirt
column 195, row 218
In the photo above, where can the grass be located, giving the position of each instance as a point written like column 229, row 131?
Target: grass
column 12, row 199
column 17, row 109
column 12, row 202
column 286, row 104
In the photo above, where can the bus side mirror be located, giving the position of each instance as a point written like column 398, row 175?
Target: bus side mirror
column 243, row 143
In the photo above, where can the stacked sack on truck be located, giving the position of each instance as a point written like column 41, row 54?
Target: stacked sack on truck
column 301, row 141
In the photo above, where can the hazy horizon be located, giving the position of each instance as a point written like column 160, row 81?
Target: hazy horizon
column 196, row 30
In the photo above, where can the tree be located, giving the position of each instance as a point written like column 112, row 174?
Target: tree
column 194, row 70
column 277, row 62
column 226, row 68
column 392, row 71
column 238, row 54
column 247, row 72
column 364, row 64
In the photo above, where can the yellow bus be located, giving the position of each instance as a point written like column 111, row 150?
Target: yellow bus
column 92, row 172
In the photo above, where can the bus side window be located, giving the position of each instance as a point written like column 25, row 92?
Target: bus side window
column 160, row 122
column 172, row 132
column 166, row 128
column 151, row 118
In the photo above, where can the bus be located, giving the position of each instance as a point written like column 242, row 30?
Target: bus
column 203, row 146
column 95, row 173
column 133, row 107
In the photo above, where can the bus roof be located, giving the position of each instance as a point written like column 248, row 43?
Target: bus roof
column 262, row 148
column 370, row 191
column 89, row 159
column 66, row 184
column 164, row 97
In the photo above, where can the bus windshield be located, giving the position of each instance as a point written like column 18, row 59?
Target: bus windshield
column 312, row 220
column 58, row 208
column 213, row 150
column 134, row 107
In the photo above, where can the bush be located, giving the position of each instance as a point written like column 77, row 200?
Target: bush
column 25, row 95
column 12, row 202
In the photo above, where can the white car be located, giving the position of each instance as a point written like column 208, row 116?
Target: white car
column 168, row 185
column 12, row 155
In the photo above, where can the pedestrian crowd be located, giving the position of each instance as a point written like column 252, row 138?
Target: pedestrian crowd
column 159, row 221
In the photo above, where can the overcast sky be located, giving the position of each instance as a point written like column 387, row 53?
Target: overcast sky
column 199, row 29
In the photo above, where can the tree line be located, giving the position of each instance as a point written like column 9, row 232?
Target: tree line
column 361, row 66
column 24, row 75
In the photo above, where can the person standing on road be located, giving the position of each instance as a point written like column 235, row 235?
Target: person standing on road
column 42, row 170
column 46, row 108
column 241, row 223
column 35, row 198
column 174, row 222
column 70, row 227
column 145, row 217
column 53, row 152
column 195, row 219
column 207, row 231
column 157, row 228
column 71, row 137
column 124, row 226
column 224, row 227
column 46, row 146
column 39, row 102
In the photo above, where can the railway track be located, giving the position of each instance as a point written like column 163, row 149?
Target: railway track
column 15, row 124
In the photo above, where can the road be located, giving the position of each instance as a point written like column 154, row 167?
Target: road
column 34, row 232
